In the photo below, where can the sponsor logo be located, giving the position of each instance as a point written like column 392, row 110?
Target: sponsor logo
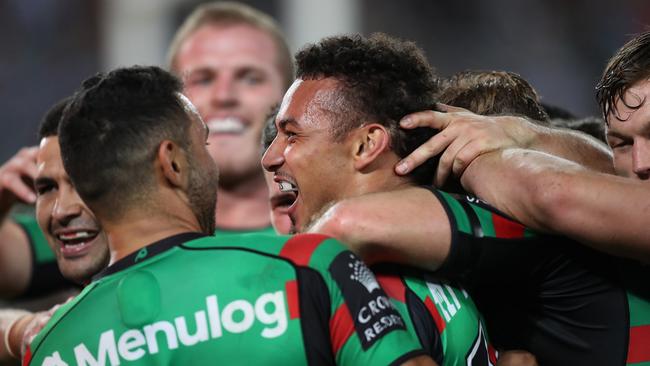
column 212, row 322
column 372, row 312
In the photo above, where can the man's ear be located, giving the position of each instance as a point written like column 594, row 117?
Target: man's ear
column 173, row 163
column 369, row 142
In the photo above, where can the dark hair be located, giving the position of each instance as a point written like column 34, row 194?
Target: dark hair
column 383, row 79
column 593, row 126
column 270, row 131
column 628, row 66
column 493, row 93
column 110, row 132
column 556, row 112
column 50, row 123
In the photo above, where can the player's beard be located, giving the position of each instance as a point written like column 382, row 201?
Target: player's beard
column 202, row 194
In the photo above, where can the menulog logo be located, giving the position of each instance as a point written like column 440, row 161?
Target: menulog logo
column 211, row 323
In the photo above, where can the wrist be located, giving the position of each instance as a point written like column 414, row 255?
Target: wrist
column 13, row 333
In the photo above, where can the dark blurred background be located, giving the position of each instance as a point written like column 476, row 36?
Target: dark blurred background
column 50, row 46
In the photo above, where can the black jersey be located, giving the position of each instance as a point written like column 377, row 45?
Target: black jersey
column 544, row 294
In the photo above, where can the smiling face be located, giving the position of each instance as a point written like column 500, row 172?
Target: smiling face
column 71, row 229
column 304, row 157
column 629, row 136
column 231, row 74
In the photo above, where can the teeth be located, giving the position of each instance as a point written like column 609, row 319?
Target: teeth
column 226, row 125
column 76, row 235
column 287, row 187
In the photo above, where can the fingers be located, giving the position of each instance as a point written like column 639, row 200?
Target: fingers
column 431, row 119
column 16, row 174
column 429, row 149
column 447, row 160
column 450, row 108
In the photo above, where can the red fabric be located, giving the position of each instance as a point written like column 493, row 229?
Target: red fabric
column 639, row 346
column 341, row 328
column 393, row 286
column 28, row 356
column 292, row 299
column 504, row 228
column 300, row 247
column 440, row 322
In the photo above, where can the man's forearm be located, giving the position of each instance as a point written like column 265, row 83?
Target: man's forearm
column 547, row 193
column 575, row 146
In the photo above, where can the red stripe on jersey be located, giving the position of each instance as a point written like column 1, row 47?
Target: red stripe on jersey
column 393, row 286
column 299, row 248
column 440, row 323
column 28, row 356
column 341, row 328
column 493, row 355
column 504, row 228
column 638, row 350
column 292, row 299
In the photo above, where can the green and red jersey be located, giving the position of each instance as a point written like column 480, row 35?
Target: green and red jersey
column 191, row 300
column 545, row 294
column 443, row 316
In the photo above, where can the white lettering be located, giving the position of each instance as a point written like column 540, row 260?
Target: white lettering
column 106, row 347
column 237, row 317
column 363, row 319
column 373, row 307
column 129, row 345
column 213, row 315
column 164, row 326
column 278, row 316
column 54, row 360
column 201, row 334
column 439, row 297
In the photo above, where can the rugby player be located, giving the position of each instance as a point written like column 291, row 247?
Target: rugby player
column 173, row 294
column 70, row 228
column 602, row 211
column 337, row 140
column 236, row 65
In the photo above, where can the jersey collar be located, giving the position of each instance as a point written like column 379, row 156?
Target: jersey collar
column 147, row 252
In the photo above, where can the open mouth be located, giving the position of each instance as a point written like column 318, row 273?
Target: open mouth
column 288, row 187
column 226, row 125
column 289, row 191
column 74, row 243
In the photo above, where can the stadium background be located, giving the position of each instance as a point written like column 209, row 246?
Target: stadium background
column 50, row 46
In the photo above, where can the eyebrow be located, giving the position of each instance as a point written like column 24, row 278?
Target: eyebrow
column 617, row 134
column 282, row 124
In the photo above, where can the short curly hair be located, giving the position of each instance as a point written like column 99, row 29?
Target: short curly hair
column 628, row 66
column 383, row 79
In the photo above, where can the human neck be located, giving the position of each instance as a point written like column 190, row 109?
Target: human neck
column 379, row 177
column 137, row 229
column 243, row 207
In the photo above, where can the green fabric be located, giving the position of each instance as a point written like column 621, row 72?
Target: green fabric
column 205, row 302
column 461, row 320
column 266, row 230
column 42, row 251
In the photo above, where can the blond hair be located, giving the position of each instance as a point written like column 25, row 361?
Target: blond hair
column 228, row 14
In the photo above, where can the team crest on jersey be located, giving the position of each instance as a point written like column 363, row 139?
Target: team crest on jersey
column 372, row 312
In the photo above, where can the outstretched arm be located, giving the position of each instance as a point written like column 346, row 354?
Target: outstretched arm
column 408, row 226
column 464, row 135
column 544, row 192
